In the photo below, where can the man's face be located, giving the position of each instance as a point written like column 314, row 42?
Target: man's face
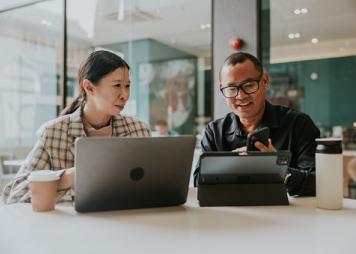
column 246, row 106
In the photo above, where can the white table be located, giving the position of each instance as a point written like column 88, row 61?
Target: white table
column 298, row 228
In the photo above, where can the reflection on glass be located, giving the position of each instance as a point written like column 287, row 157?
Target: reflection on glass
column 312, row 60
column 163, row 54
column 29, row 72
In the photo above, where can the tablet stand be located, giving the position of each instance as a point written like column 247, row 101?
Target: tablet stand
column 242, row 194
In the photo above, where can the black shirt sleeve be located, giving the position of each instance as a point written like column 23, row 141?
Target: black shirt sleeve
column 302, row 166
column 207, row 144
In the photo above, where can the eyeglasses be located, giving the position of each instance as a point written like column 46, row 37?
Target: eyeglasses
column 249, row 87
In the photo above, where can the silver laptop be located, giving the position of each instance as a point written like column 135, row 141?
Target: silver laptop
column 125, row 173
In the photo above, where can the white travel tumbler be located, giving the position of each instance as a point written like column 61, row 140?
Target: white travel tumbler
column 329, row 173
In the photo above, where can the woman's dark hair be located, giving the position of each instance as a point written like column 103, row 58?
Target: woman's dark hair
column 241, row 57
column 98, row 64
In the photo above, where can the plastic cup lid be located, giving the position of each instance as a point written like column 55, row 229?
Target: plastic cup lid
column 43, row 176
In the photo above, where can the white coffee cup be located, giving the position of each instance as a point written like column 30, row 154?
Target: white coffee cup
column 43, row 186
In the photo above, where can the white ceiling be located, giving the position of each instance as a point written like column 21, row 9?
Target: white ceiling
column 332, row 22
column 177, row 23
column 326, row 19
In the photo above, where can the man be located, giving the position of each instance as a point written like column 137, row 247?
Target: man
column 243, row 84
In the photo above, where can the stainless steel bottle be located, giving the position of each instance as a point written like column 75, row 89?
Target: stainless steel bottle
column 329, row 173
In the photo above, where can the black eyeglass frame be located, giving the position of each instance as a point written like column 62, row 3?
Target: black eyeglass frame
column 240, row 87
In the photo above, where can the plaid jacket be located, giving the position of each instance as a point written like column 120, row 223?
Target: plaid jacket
column 55, row 150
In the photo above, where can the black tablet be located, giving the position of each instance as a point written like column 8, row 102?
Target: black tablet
column 254, row 168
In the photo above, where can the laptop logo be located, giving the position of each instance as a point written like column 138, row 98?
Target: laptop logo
column 137, row 174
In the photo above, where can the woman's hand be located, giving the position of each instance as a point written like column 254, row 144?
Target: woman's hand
column 67, row 179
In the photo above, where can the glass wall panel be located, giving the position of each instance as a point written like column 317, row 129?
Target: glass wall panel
column 29, row 76
column 167, row 45
column 311, row 60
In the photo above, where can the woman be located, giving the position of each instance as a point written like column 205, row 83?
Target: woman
column 104, row 82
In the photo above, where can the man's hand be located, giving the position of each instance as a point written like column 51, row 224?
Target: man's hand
column 241, row 150
column 263, row 148
column 259, row 145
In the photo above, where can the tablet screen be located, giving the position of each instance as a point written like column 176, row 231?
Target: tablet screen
column 257, row 167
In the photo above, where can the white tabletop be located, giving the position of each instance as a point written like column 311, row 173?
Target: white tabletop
column 298, row 228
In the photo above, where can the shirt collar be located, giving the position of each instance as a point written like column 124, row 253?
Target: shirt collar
column 234, row 125
column 270, row 118
column 76, row 127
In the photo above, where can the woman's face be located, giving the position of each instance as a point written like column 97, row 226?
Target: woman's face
column 112, row 92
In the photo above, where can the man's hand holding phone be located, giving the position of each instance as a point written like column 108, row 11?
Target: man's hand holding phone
column 257, row 141
column 263, row 148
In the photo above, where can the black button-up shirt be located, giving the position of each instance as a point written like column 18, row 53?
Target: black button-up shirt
column 289, row 130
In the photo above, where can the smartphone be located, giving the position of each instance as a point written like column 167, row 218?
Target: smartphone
column 260, row 135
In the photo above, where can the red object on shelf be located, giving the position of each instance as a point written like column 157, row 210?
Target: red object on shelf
column 236, row 43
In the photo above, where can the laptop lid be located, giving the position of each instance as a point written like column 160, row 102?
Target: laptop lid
column 123, row 173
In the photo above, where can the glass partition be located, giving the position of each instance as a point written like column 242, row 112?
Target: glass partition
column 167, row 45
column 29, row 76
column 311, row 60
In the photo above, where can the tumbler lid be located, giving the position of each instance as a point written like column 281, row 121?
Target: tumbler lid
column 328, row 145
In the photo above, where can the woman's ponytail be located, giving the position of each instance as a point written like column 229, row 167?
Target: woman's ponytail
column 78, row 102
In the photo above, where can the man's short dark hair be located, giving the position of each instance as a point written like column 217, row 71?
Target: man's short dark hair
column 241, row 57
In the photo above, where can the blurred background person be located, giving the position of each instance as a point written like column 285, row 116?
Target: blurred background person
column 162, row 129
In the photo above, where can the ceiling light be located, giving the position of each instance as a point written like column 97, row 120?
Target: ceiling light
column 304, row 10
column 315, row 40
column 297, row 11
column 46, row 22
column 294, row 36
column 301, row 11
column 205, row 26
